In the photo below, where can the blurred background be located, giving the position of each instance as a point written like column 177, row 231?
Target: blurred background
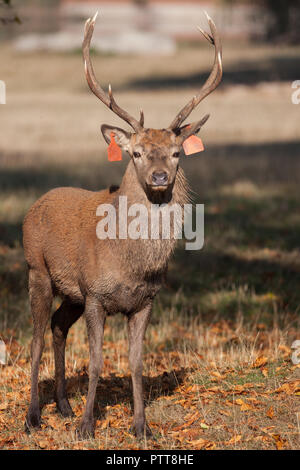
column 247, row 275
column 151, row 52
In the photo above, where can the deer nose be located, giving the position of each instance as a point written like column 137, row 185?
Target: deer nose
column 159, row 179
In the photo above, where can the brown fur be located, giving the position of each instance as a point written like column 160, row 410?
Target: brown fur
column 98, row 277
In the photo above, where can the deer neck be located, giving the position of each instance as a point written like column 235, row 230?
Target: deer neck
column 148, row 256
column 132, row 189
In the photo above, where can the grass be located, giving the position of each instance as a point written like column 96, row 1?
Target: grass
column 217, row 367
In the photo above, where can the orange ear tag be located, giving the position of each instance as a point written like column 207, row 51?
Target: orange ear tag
column 113, row 150
column 192, row 144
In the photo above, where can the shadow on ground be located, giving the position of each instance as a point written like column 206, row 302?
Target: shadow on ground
column 267, row 219
column 264, row 163
column 272, row 69
column 116, row 390
column 275, row 162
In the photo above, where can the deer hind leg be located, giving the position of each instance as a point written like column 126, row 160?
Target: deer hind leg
column 137, row 324
column 62, row 320
column 41, row 296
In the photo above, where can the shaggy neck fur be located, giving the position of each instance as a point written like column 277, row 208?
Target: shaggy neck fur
column 148, row 257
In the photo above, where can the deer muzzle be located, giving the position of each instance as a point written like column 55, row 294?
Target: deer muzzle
column 160, row 178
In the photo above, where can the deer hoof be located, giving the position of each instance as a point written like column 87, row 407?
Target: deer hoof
column 64, row 408
column 32, row 420
column 141, row 431
column 85, row 431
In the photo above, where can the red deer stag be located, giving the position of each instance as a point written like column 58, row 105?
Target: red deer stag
column 99, row 277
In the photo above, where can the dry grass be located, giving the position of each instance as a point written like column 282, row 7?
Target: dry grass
column 206, row 386
column 217, row 370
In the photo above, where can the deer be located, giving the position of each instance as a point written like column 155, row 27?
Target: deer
column 99, row 277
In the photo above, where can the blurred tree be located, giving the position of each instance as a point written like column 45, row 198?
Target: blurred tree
column 7, row 14
column 144, row 18
column 281, row 12
column 285, row 15
column 141, row 2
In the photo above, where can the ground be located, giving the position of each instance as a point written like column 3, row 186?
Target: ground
column 217, row 358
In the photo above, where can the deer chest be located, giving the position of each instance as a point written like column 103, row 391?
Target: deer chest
column 128, row 297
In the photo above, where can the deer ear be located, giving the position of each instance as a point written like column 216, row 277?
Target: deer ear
column 122, row 138
column 186, row 131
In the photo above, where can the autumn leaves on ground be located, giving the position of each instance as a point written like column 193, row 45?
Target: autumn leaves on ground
column 217, row 357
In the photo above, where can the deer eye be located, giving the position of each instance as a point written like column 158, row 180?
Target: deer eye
column 175, row 154
column 136, row 154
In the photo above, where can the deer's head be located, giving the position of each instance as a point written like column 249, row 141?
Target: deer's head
column 155, row 152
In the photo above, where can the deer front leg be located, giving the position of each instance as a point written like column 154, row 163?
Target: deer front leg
column 95, row 319
column 137, row 324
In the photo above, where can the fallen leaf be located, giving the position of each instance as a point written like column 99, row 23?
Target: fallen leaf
column 270, row 412
column 42, row 444
column 234, row 440
column 224, row 412
column 244, row 406
column 54, row 423
column 217, row 374
column 203, row 444
column 289, row 388
column 199, row 443
column 190, row 420
column 204, row 426
column 279, row 441
column 191, row 433
column 210, row 446
column 260, row 361
column 238, row 389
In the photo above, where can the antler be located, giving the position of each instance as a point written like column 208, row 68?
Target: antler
column 108, row 100
column 213, row 80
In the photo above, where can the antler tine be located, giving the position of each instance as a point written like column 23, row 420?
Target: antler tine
column 108, row 100
column 213, row 80
column 142, row 118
